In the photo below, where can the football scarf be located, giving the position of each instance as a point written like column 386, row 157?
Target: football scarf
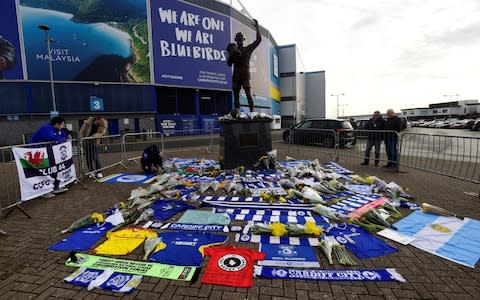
column 195, row 227
column 131, row 267
column 275, row 240
column 329, row 275
column 105, row 280
column 269, row 212
column 281, row 219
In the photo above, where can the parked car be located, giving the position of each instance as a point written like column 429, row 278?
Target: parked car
column 319, row 132
column 476, row 125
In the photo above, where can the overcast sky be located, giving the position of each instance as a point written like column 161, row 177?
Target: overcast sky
column 381, row 54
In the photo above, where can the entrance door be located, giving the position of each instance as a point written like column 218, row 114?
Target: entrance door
column 113, row 127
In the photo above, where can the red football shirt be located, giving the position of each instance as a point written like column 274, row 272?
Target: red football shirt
column 231, row 266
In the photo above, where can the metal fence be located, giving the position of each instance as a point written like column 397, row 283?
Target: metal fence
column 133, row 144
column 454, row 156
column 10, row 187
column 98, row 154
column 370, row 147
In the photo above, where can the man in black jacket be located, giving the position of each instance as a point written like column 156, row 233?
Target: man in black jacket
column 393, row 123
column 374, row 138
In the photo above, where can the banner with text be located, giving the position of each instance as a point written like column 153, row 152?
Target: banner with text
column 39, row 167
column 189, row 45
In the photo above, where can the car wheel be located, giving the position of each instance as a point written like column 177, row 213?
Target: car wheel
column 329, row 142
column 287, row 137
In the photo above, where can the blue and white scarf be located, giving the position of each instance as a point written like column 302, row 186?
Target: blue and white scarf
column 276, row 240
column 281, row 219
column 267, row 212
column 329, row 275
column 195, row 227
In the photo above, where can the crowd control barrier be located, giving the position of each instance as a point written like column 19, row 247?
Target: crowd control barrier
column 453, row 156
column 133, row 144
column 10, row 197
column 361, row 139
column 98, row 154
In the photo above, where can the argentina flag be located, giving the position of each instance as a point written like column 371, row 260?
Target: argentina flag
column 448, row 237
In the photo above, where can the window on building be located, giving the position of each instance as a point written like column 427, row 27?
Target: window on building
column 166, row 100
column 435, row 111
column 186, row 101
column 444, row 110
column 222, row 100
column 207, row 102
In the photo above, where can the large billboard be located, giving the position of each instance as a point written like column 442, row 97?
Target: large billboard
column 189, row 45
column 97, row 40
column 10, row 50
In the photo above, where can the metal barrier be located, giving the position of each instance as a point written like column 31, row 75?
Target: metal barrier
column 133, row 144
column 10, row 187
column 98, row 154
column 188, row 140
column 315, row 141
column 376, row 141
column 453, row 156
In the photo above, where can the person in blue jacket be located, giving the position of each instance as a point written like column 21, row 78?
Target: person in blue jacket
column 51, row 132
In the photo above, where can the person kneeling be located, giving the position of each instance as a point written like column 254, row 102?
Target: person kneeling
column 151, row 160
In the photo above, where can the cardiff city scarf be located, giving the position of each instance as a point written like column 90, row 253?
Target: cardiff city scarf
column 269, row 212
column 329, row 275
column 195, row 227
column 259, row 205
column 337, row 168
column 281, row 219
column 106, row 280
column 131, row 267
column 275, row 240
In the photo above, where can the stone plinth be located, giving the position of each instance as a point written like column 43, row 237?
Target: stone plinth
column 243, row 142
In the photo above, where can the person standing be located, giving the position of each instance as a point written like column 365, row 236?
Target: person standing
column 51, row 132
column 374, row 138
column 92, row 130
column 354, row 126
column 392, row 123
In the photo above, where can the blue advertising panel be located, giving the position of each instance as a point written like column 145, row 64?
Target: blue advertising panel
column 189, row 45
column 103, row 41
column 209, row 123
column 10, row 50
column 275, row 94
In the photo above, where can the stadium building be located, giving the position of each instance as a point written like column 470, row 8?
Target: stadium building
column 150, row 65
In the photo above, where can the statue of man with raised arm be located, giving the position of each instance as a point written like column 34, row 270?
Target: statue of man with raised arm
column 239, row 57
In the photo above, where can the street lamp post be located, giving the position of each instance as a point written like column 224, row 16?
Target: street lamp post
column 338, row 96
column 46, row 28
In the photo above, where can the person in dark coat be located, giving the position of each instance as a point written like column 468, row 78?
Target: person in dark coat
column 374, row 138
column 354, row 126
column 393, row 123
column 151, row 160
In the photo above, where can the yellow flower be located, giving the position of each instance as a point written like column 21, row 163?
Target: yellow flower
column 97, row 217
column 278, row 229
column 312, row 228
column 370, row 180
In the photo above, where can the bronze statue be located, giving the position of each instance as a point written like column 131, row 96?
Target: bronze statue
column 239, row 57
